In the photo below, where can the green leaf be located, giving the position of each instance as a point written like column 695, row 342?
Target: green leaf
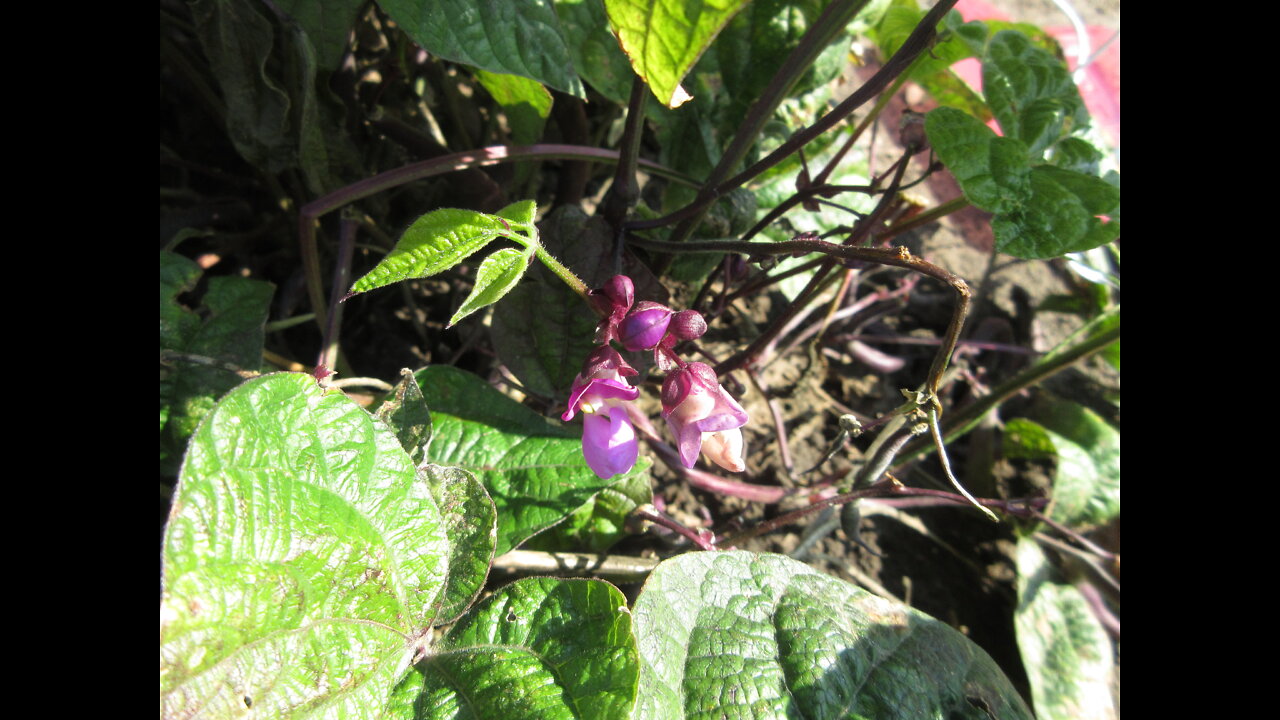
column 992, row 171
column 434, row 243
column 1086, row 485
column 664, row 39
column 231, row 330
column 1061, row 216
column 526, row 103
column 538, row 648
column 1065, row 650
column 405, row 411
column 533, row 470
column 301, row 559
column 516, row 37
column 471, row 524
column 497, row 275
column 595, row 50
column 1030, row 92
column 601, row 522
column 327, row 24
column 238, row 40
column 932, row 70
column 521, row 212
column 740, row 634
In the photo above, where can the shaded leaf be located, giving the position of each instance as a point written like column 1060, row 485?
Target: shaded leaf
column 595, row 50
column 327, row 24
column 526, row 103
column 238, row 39
column 932, row 70
column 301, row 558
column 601, row 522
column 533, row 469
column 497, row 275
column 471, row 524
column 515, row 37
column 537, row 648
column 1065, row 650
column 1086, row 485
column 405, row 411
column 755, row 635
column 664, row 39
column 234, row 312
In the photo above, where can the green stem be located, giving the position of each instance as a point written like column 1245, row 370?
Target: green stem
column 968, row 417
column 562, row 272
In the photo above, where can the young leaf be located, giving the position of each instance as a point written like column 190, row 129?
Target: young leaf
column 301, row 558
column 601, row 522
column 434, row 243
column 1030, row 92
column 665, row 39
column 1065, row 650
column 539, row 648
column 756, row 635
column 521, row 211
column 533, row 470
column 517, row 37
column 497, row 275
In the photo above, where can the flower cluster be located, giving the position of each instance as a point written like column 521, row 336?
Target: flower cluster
column 701, row 415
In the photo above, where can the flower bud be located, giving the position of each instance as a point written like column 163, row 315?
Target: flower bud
column 688, row 325
column 644, row 326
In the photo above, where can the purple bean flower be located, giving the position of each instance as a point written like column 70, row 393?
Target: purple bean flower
column 644, row 326
column 703, row 417
column 602, row 393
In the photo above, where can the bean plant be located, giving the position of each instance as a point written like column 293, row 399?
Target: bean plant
column 602, row 220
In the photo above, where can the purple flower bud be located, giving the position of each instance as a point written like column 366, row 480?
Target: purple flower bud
column 644, row 326
column 698, row 410
column 612, row 301
column 688, row 325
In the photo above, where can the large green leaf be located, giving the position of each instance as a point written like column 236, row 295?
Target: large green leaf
column 517, row 37
column 539, row 648
column 739, row 634
column 434, row 243
column 993, row 171
column 302, row 559
column 664, row 38
column 228, row 328
column 1065, row 650
column 533, row 469
column 595, row 50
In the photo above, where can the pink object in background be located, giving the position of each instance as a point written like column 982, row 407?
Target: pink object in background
column 1100, row 86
